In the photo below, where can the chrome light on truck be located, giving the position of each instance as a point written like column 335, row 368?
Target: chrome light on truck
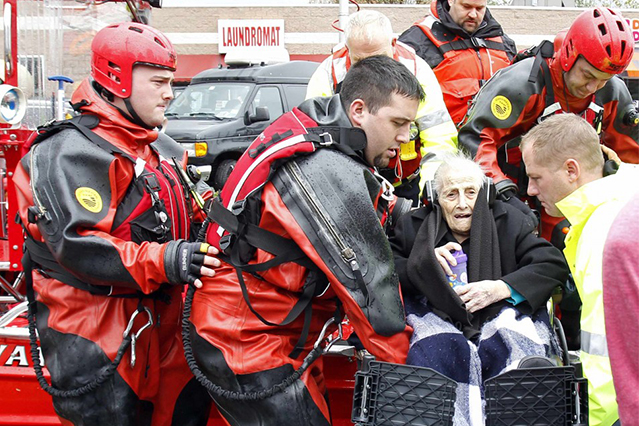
column 190, row 148
column 198, row 149
column 13, row 104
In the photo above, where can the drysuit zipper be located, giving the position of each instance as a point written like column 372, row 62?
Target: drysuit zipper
column 346, row 252
column 38, row 211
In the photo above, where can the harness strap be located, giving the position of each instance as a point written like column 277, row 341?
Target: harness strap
column 283, row 249
column 84, row 124
column 548, row 83
column 39, row 255
column 303, row 304
column 471, row 43
column 351, row 139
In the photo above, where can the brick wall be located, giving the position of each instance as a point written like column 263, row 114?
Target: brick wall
column 522, row 23
column 308, row 30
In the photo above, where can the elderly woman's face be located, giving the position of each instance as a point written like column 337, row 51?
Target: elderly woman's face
column 457, row 197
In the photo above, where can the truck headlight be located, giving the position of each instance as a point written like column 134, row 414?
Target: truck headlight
column 198, row 149
column 13, row 104
column 201, row 149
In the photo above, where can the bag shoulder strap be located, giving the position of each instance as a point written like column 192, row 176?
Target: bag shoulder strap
column 84, row 124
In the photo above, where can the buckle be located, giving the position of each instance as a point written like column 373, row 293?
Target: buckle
column 238, row 207
column 225, row 242
column 151, row 183
column 326, row 139
column 478, row 42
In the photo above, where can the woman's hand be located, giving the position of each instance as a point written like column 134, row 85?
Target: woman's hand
column 445, row 258
column 481, row 294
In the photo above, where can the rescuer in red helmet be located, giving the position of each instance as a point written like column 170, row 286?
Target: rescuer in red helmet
column 106, row 221
column 577, row 78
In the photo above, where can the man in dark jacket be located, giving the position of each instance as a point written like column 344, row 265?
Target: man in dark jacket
column 463, row 45
column 475, row 331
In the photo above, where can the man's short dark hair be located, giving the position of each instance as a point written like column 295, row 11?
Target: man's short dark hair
column 375, row 79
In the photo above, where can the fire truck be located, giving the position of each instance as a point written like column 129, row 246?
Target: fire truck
column 41, row 36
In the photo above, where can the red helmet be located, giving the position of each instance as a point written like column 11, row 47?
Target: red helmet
column 117, row 48
column 602, row 37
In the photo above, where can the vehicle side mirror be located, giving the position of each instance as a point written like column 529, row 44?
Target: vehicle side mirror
column 261, row 114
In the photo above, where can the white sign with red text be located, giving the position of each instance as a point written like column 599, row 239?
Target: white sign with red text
column 236, row 34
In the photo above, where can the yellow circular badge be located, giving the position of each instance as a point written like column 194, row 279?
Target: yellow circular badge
column 89, row 199
column 501, row 107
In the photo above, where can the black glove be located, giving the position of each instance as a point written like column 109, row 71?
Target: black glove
column 183, row 260
column 610, row 168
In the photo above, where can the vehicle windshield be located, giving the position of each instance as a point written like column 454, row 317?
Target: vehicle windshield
column 210, row 100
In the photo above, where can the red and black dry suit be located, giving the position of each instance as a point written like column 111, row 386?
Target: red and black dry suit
column 103, row 219
column 326, row 203
column 510, row 104
column 462, row 62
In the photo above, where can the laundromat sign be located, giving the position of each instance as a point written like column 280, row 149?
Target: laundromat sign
column 250, row 33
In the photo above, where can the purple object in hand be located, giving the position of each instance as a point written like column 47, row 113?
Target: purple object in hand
column 459, row 276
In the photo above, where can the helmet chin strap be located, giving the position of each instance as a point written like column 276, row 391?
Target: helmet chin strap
column 133, row 116
column 130, row 114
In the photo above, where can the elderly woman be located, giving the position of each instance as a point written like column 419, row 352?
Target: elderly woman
column 473, row 332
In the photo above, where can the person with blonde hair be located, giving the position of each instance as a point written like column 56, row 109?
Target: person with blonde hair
column 565, row 168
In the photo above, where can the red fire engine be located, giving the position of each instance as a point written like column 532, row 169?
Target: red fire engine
column 34, row 40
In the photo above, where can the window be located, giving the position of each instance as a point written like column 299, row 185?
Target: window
column 269, row 96
column 295, row 93
column 222, row 100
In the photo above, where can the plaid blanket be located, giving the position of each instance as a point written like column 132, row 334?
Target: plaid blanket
column 502, row 343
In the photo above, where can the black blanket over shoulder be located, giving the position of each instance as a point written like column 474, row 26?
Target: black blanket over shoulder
column 501, row 246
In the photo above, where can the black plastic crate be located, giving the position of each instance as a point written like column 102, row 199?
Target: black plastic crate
column 395, row 394
column 537, row 397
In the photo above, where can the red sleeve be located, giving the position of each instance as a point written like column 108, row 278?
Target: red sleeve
column 614, row 137
column 385, row 348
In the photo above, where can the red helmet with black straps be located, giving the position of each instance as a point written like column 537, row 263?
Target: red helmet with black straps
column 602, row 37
column 117, row 48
